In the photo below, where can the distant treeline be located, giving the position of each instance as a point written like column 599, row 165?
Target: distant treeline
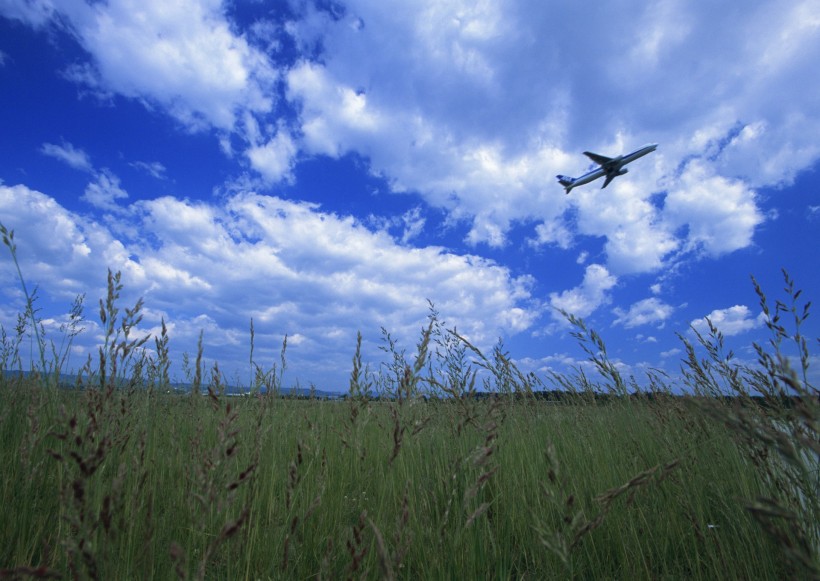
column 554, row 396
column 593, row 397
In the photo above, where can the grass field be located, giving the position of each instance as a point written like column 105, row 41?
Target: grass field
column 121, row 480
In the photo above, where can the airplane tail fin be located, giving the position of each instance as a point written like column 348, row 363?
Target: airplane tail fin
column 567, row 182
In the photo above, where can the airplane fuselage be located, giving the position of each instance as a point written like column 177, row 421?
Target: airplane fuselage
column 611, row 167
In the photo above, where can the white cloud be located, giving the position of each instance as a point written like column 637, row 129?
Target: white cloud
column 732, row 321
column 774, row 144
column 555, row 232
column 274, row 160
column 645, row 312
column 34, row 12
column 482, row 116
column 671, row 353
column 664, row 29
column 67, row 153
column 636, row 238
column 585, row 299
column 154, row 168
column 720, row 214
column 104, row 192
column 58, row 251
column 182, row 56
column 475, row 108
column 412, row 126
column 413, row 223
column 332, row 114
column 290, row 266
column 410, row 224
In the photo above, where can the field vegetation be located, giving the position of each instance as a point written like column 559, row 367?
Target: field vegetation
column 457, row 470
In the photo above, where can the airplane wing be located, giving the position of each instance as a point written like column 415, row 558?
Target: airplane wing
column 599, row 159
column 609, row 178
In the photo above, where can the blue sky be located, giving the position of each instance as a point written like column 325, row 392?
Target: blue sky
column 327, row 167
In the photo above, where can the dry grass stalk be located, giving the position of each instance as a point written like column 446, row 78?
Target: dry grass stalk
column 391, row 562
column 385, row 562
column 574, row 524
column 356, row 548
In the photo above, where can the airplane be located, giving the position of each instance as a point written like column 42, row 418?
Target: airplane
column 611, row 167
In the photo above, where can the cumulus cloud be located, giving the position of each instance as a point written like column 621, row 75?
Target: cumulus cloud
column 291, row 267
column 732, row 321
column 554, row 232
column 585, row 299
column 460, row 124
column 720, row 214
column 671, row 353
column 184, row 57
column 332, row 115
column 645, row 312
column 274, row 159
column 58, row 250
column 477, row 181
column 636, row 238
column 67, row 153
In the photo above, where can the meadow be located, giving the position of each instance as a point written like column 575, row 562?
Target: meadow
column 441, row 463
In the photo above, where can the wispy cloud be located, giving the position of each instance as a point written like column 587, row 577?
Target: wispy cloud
column 104, row 191
column 408, row 225
column 35, row 13
column 153, row 168
column 413, row 222
column 67, row 153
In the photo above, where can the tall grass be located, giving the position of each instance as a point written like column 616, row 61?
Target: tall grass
column 120, row 479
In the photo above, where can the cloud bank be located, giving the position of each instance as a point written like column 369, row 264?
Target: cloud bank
column 290, row 267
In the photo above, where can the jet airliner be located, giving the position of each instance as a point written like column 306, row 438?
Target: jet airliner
column 611, row 167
